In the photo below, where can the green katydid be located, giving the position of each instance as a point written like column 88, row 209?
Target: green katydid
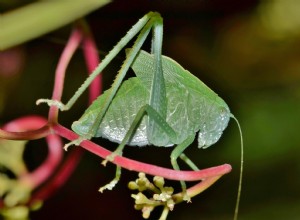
column 164, row 105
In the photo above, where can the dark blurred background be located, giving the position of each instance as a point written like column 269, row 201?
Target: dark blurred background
column 246, row 51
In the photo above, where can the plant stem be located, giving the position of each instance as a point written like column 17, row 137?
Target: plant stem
column 143, row 167
column 68, row 52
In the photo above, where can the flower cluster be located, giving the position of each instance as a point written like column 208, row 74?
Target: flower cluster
column 161, row 195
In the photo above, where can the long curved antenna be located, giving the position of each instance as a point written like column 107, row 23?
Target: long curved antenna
column 236, row 211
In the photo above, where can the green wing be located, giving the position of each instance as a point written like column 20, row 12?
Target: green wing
column 131, row 96
column 192, row 106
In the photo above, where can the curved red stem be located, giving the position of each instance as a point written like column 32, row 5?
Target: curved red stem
column 143, row 167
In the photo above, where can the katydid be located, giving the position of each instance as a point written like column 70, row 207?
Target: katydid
column 163, row 105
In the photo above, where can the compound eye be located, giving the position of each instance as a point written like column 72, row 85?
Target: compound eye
column 224, row 116
column 223, row 111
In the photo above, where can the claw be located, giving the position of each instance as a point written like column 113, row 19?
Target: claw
column 76, row 142
column 50, row 103
column 66, row 146
column 186, row 197
column 109, row 186
column 112, row 183
column 104, row 162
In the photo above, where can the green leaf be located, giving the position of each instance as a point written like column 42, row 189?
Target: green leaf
column 11, row 156
column 36, row 19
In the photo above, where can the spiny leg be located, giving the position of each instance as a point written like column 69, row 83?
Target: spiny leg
column 175, row 154
column 143, row 26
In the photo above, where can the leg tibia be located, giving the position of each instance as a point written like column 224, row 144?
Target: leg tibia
column 174, row 156
column 188, row 161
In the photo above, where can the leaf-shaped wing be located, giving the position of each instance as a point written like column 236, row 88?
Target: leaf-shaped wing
column 130, row 97
column 192, row 106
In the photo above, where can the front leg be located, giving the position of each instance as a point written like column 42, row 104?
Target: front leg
column 51, row 102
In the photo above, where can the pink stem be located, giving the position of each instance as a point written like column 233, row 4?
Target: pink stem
column 143, row 167
column 64, row 60
column 25, row 128
column 92, row 60
column 25, row 135
column 25, row 123
column 197, row 188
column 33, row 134
column 200, row 187
column 54, row 155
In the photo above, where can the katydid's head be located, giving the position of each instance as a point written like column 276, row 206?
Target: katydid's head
column 83, row 125
column 216, row 120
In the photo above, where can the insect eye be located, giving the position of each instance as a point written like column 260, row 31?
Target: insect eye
column 223, row 110
column 223, row 113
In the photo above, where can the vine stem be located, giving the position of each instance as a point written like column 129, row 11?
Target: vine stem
column 54, row 143
column 38, row 127
column 81, row 34
column 136, row 166
column 60, row 72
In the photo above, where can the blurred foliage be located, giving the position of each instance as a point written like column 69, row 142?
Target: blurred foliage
column 11, row 65
column 246, row 51
column 11, row 156
column 281, row 18
column 40, row 17
column 13, row 191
